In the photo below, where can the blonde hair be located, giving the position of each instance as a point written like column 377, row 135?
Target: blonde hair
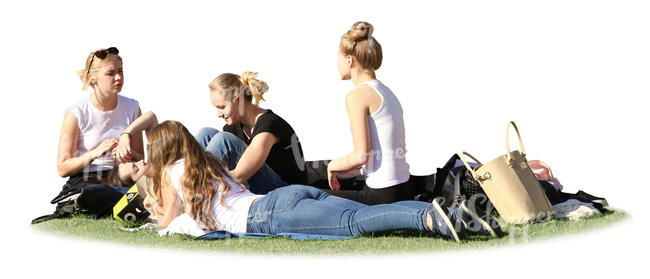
column 93, row 64
column 236, row 86
column 360, row 43
column 171, row 141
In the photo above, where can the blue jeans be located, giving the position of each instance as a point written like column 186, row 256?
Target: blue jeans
column 305, row 209
column 229, row 148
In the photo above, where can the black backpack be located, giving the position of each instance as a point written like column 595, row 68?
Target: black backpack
column 80, row 198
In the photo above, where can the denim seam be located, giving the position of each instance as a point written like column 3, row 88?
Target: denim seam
column 375, row 216
column 428, row 210
column 345, row 226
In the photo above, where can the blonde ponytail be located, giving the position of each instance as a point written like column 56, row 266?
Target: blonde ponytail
column 236, row 87
column 83, row 75
column 257, row 88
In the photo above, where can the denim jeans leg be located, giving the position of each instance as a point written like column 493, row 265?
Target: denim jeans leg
column 303, row 209
column 265, row 180
column 226, row 147
column 205, row 135
column 414, row 204
column 230, row 148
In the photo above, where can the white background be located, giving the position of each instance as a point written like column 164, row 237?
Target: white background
column 572, row 74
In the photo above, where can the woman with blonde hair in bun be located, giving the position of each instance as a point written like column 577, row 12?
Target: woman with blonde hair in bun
column 92, row 130
column 259, row 147
column 377, row 124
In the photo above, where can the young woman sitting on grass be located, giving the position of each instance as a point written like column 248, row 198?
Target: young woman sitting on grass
column 93, row 126
column 189, row 180
column 259, row 147
column 377, row 125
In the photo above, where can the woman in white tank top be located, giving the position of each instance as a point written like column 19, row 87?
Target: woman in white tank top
column 377, row 125
column 193, row 192
column 92, row 131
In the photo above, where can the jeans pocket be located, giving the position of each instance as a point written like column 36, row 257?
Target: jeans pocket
column 280, row 201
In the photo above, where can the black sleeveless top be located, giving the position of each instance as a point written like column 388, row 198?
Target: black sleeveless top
column 286, row 157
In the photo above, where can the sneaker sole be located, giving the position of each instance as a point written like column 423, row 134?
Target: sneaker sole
column 480, row 220
column 437, row 207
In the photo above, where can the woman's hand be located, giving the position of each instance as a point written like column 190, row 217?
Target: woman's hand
column 349, row 174
column 106, row 146
column 124, row 153
column 333, row 180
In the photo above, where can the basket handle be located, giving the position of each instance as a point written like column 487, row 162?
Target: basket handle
column 521, row 144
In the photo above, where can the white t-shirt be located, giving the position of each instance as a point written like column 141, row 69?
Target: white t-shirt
column 234, row 216
column 95, row 126
column 386, row 165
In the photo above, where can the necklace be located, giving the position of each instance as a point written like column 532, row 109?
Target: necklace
column 250, row 134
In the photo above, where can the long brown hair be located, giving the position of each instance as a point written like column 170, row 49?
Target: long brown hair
column 113, row 178
column 169, row 142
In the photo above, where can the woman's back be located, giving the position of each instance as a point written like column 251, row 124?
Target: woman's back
column 230, row 216
column 386, row 164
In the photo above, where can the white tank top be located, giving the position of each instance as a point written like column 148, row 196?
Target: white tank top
column 234, row 216
column 95, row 126
column 386, row 164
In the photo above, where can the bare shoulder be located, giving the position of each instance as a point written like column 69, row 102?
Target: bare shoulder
column 365, row 97
column 361, row 94
column 70, row 120
column 363, row 90
column 69, row 115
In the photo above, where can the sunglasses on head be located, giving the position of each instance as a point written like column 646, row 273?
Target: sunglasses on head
column 102, row 53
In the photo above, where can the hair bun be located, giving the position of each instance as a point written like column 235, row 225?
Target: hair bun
column 360, row 30
column 359, row 42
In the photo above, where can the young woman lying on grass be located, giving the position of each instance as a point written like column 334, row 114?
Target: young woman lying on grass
column 187, row 179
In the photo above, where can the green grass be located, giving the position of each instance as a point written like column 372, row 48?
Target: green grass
column 395, row 242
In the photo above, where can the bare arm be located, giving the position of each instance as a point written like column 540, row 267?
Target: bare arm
column 131, row 138
column 349, row 174
column 254, row 156
column 66, row 162
column 358, row 110
column 137, row 143
column 172, row 205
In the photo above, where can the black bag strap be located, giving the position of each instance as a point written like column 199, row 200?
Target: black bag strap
column 68, row 190
column 62, row 210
